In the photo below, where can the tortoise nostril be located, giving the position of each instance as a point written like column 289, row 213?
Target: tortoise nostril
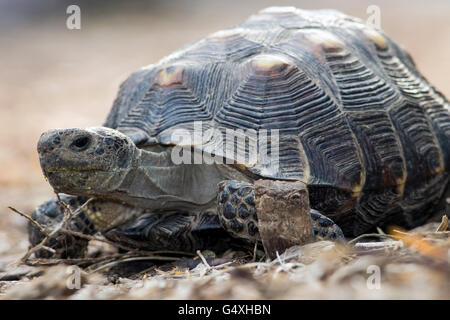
column 81, row 143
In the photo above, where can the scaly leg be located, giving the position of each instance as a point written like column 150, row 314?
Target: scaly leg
column 237, row 213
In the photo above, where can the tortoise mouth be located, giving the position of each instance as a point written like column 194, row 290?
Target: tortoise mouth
column 61, row 170
column 78, row 182
column 56, row 165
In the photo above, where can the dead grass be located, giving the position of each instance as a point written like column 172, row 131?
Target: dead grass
column 322, row 270
column 403, row 265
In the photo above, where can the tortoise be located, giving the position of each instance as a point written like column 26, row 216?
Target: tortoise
column 342, row 107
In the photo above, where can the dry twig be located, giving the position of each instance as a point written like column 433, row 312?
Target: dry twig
column 130, row 259
column 443, row 226
column 29, row 219
column 203, row 259
column 370, row 235
column 62, row 228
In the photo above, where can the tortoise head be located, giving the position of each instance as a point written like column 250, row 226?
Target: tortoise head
column 85, row 161
column 104, row 163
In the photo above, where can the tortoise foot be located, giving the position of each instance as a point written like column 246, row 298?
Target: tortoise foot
column 236, row 209
column 238, row 214
column 50, row 215
column 324, row 228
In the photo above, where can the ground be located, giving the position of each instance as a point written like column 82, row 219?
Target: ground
column 58, row 78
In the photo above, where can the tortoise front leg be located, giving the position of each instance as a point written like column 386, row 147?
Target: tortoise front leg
column 49, row 215
column 97, row 216
column 279, row 214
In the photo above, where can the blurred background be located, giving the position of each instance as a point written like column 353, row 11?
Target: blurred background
column 53, row 77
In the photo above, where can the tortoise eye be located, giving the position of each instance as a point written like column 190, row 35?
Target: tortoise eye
column 81, row 143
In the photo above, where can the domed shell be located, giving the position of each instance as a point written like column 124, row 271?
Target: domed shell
column 342, row 106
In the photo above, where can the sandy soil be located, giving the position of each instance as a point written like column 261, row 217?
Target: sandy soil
column 54, row 77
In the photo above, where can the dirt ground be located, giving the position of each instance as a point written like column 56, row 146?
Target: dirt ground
column 52, row 77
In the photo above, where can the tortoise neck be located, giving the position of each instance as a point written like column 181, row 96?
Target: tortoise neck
column 155, row 182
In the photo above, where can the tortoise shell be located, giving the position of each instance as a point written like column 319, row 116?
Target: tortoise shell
column 357, row 122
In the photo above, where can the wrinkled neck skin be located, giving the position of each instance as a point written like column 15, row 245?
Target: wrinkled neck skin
column 154, row 182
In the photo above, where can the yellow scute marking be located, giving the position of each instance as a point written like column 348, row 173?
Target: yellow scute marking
column 401, row 180
column 170, row 76
column 376, row 37
column 269, row 61
column 401, row 189
column 325, row 39
column 224, row 34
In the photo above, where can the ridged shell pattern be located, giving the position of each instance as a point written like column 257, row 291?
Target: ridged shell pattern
column 356, row 120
